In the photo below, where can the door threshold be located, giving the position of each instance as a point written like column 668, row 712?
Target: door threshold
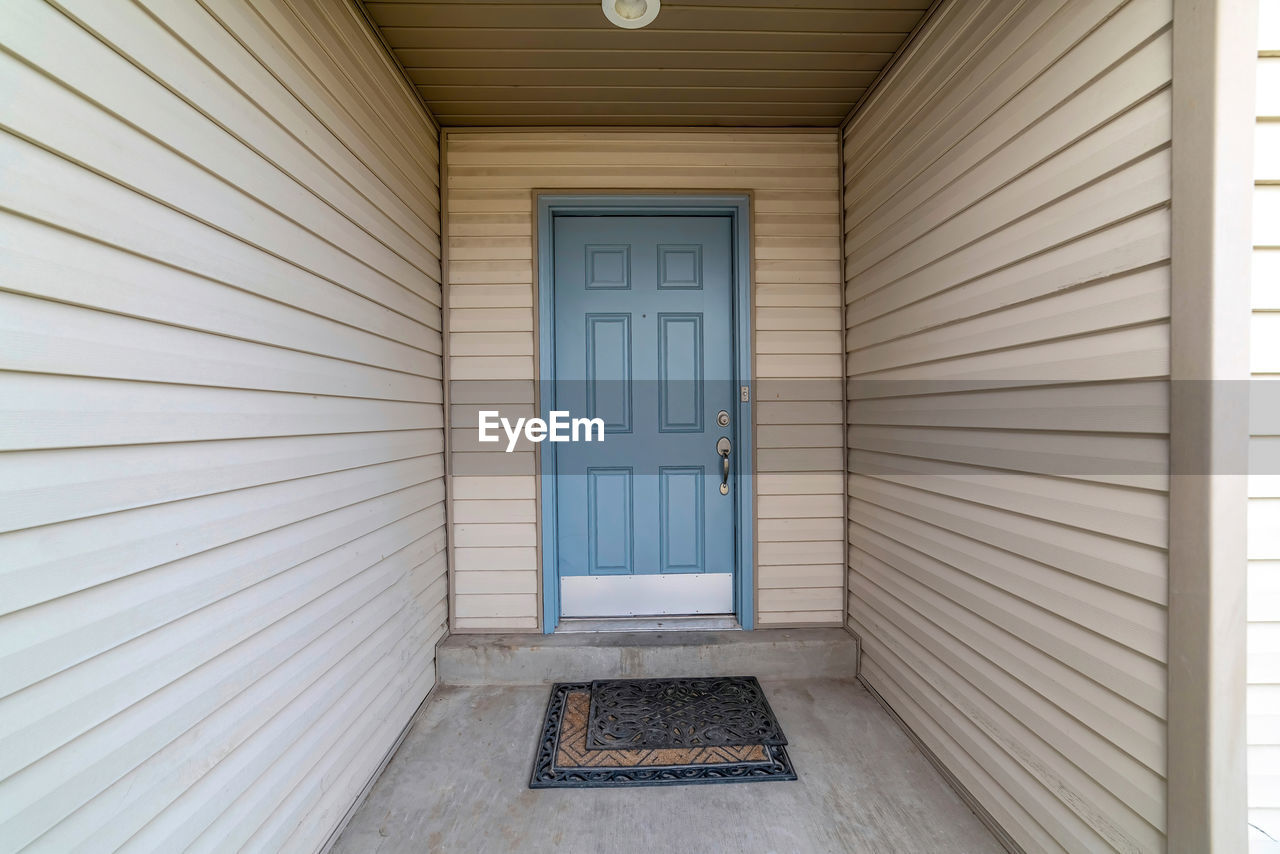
column 571, row 625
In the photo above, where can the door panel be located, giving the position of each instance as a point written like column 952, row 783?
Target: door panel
column 681, row 493
column 680, row 351
column 609, row 518
column 608, row 370
column 643, row 339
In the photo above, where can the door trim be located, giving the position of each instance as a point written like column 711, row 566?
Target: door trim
column 737, row 208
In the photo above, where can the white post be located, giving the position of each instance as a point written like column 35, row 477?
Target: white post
column 1213, row 74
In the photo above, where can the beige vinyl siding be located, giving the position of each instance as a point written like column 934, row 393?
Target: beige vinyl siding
column 1264, row 487
column 792, row 178
column 1007, row 301
column 222, row 567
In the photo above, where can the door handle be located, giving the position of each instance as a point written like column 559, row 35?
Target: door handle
column 723, row 448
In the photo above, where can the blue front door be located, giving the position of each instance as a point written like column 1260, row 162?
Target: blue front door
column 643, row 340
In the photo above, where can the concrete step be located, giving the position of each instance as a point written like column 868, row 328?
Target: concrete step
column 526, row 659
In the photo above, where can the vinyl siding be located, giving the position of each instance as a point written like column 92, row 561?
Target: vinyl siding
column 1007, row 302
column 1264, row 487
column 222, row 567
column 793, row 180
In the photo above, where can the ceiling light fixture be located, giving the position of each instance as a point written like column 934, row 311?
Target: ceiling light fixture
column 630, row 14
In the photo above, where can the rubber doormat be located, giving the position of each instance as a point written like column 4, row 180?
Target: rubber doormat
column 659, row 732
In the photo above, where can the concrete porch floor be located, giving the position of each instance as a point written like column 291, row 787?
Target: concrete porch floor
column 459, row 784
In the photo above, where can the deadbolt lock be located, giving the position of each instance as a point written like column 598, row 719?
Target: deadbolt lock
column 723, row 418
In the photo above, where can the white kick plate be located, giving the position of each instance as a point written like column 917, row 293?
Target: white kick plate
column 646, row 595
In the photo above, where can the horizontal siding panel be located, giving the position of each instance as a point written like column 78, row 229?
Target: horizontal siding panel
column 1264, row 591
column 798, row 437
column 487, row 559
column 94, row 550
column 799, row 484
column 1128, row 567
column 169, row 591
column 1135, row 134
column 1264, row 355
column 804, row 530
column 773, row 366
column 1049, row 51
column 497, row 625
column 1266, row 268
column 1134, row 459
column 1045, row 492
column 784, row 619
column 797, row 342
column 799, row 506
column 920, row 711
column 791, row 552
column 490, row 344
column 46, row 487
column 1264, row 715
column 39, row 260
column 48, row 337
column 790, row 412
column 102, row 76
column 1137, row 680
column 1007, row 350
column 829, row 575
column 815, row 392
column 73, row 411
column 134, row 161
column 1133, row 353
column 224, row 543
column 481, row 296
column 47, row 188
column 663, row 177
column 1063, row 830
column 342, row 760
column 490, row 367
column 509, row 488
column 1120, row 407
column 1139, row 625
column 496, row 159
column 998, row 151
column 497, row 582
column 1007, row 744
column 131, row 736
column 1137, row 298
column 470, row 606
column 310, row 724
column 1103, row 770
column 355, row 160
column 474, row 511
column 1122, row 724
column 1124, row 194
column 793, row 600
column 798, row 459
column 1133, row 243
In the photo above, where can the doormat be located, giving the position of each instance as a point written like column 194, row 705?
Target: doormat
column 659, row 732
column 722, row 711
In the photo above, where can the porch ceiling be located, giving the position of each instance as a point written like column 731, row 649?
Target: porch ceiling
column 741, row 63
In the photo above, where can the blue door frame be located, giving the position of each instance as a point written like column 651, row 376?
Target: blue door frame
column 736, row 207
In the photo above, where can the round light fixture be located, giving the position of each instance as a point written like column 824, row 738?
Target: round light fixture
column 630, row 14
